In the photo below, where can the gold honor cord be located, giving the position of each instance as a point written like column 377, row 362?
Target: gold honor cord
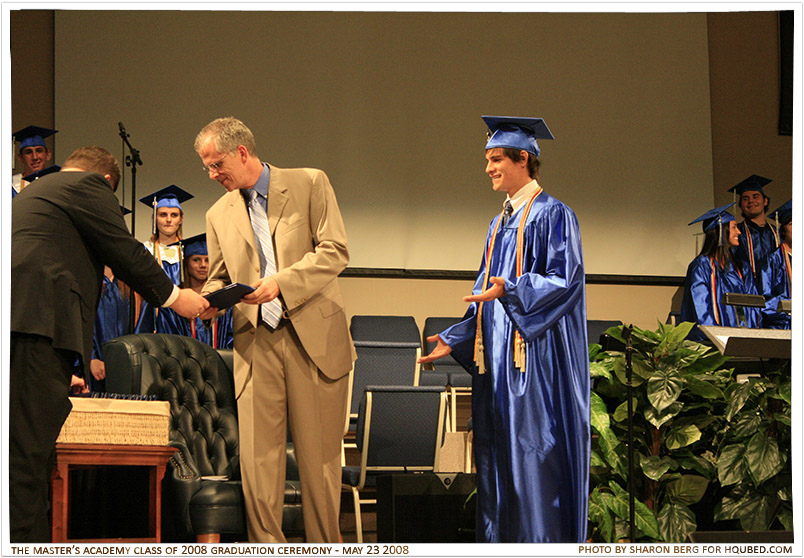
column 519, row 343
column 714, row 291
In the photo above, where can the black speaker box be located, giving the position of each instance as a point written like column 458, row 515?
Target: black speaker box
column 426, row 507
column 708, row 537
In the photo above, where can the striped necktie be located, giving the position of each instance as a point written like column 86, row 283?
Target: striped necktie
column 508, row 210
column 269, row 311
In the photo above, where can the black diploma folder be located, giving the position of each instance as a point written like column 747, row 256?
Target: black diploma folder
column 228, row 296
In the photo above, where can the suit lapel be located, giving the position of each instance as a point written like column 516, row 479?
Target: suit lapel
column 277, row 197
column 237, row 214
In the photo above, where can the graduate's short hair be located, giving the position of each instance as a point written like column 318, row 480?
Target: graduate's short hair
column 227, row 133
column 96, row 159
column 516, row 155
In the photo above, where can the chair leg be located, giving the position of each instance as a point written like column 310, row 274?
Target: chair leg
column 358, row 517
column 208, row 538
column 454, row 409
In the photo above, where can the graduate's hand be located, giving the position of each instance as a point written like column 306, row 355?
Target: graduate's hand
column 265, row 290
column 97, row 368
column 441, row 350
column 496, row 290
column 209, row 313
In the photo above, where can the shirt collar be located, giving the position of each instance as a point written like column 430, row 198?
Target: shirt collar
column 262, row 184
column 523, row 195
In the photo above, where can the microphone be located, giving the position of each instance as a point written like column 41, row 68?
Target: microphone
column 122, row 129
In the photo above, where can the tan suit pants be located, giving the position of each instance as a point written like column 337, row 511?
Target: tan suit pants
column 286, row 385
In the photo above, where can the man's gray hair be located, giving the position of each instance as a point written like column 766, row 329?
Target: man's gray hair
column 227, row 133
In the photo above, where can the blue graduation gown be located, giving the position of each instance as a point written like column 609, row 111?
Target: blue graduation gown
column 779, row 290
column 698, row 307
column 219, row 336
column 111, row 321
column 762, row 245
column 162, row 320
column 531, row 428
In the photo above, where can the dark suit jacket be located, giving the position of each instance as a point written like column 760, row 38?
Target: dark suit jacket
column 65, row 227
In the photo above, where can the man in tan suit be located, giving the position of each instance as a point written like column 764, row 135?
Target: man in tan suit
column 295, row 369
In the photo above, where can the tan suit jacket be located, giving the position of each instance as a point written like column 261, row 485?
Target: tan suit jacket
column 311, row 251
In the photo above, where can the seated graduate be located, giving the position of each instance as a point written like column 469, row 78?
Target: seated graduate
column 715, row 271
column 216, row 333
column 34, row 155
column 165, row 246
column 781, row 270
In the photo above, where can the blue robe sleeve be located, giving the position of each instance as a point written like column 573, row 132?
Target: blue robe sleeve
column 538, row 299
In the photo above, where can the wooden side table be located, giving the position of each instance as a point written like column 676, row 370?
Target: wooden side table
column 67, row 455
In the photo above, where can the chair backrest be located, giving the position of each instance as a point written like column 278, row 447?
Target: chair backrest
column 387, row 331
column 400, row 428
column 387, row 349
column 596, row 328
column 194, row 379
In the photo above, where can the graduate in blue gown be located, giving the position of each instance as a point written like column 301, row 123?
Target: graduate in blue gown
column 111, row 321
column 165, row 246
column 781, row 270
column 758, row 237
column 216, row 333
column 715, row 271
column 33, row 154
column 524, row 340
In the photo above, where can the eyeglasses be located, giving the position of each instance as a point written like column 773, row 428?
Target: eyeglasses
column 215, row 166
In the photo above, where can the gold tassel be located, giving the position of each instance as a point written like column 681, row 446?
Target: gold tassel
column 480, row 358
column 520, row 352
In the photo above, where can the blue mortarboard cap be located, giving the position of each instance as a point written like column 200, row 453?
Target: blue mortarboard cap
column 516, row 132
column 195, row 245
column 750, row 184
column 32, row 135
column 714, row 216
column 171, row 196
column 784, row 213
column 124, row 210
column 39, row 174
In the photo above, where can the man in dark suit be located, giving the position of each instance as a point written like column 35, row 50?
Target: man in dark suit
column 65, row 227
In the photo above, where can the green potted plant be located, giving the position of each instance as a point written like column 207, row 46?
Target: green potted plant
column 707, row 449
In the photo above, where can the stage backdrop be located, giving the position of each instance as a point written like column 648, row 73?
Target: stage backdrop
column 389, row 105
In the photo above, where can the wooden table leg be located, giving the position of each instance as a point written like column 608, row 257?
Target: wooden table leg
column 60, row 487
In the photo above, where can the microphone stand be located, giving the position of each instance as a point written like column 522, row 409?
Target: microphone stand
column 629, row 350
column 132, row 160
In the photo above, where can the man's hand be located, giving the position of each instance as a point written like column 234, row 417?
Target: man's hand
column 209, row 313
column 441, row 350
column 97, row 368
column 496, row 290
column 78, row 385
column 265, row 290
column 189, row 303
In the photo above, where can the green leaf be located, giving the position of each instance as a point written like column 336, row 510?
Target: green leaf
column 611, row 450
column 699, row 465
column 654, row 466
column 785, row 517
column 595, row 461
column 763, row 458
column 745, row 424
column 687, row 490
column 600, row 516
column 676, row 522
column 756, row 511
column 731, row 467
column 736, row 396
column 664, row 387
column 599, row 414
column 657, row 419
column 621, row 412
column 643, row 517
column 729, row 506
column 703, row 389
column 682, row 437
column 599, row 370
column 784, row 392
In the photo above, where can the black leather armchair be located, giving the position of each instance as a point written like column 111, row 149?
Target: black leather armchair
column 202, row 495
